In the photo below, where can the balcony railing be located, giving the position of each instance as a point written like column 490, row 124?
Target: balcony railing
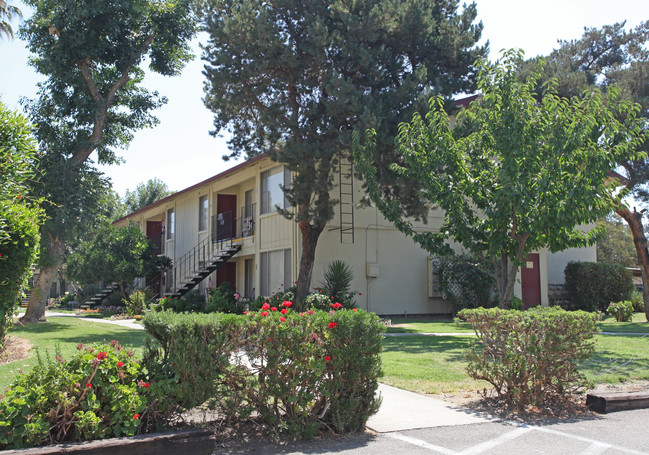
column 224, row 227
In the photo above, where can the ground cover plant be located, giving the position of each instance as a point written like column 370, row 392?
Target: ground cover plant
column 64, row 333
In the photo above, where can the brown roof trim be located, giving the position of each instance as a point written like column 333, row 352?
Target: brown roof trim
column 193, row 187
column 464, row 102
column 615, row 175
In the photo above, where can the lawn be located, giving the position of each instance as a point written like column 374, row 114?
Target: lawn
column 429, row 325
column 435, row 364
column 64, row 333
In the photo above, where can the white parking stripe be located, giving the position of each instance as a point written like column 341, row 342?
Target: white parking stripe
column 420, row 443
column 581, row 438
column 484, row 446
column 596, row 448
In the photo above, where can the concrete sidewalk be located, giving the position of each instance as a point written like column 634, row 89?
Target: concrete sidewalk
column 128, row 323
column 402, row 410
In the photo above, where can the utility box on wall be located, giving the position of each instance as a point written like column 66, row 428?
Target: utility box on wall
column 372, row 270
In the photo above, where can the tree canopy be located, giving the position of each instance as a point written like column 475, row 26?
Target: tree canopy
column 145, row 193
column 7, row 14
column 115, row 255
column 293, row 79
column 92, row 100
column 519, row 170
column 615, row 244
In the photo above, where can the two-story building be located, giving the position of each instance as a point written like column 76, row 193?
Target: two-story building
column 230, row 220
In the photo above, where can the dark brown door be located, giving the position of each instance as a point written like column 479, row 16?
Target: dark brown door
column 154, row 234
column 226, row 211
column 531, row 281
column 227, row 272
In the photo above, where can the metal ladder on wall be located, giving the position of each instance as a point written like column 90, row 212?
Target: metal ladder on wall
column 346, row 209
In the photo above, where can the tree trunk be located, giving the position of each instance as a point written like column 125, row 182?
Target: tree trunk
column 634, row 220
column 509, row 275
column 38, row 300
column 310, row 237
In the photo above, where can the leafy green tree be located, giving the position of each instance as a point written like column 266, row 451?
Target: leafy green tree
column 19, row 213
column 615, row 245
column 7, row 14
column 292, row 79
column 517, row 172
column 115, row 255
column 614, row 57
column 145, row 193
column 92, row 101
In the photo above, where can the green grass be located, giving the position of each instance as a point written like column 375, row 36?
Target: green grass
column 65, row 333
column 639, row 324
column 427, row 325
column 436, row 364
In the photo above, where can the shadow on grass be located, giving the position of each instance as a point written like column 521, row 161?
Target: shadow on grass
column 452, row 346
column 614, row 362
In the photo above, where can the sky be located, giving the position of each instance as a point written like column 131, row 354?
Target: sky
column 181, row 152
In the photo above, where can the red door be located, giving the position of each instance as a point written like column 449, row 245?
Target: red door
column 531, row 281
column 226, row 211
column 227, row 272
column 154, row 234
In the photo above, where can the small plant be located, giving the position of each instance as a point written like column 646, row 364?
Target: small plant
column 516, row 304
column 101, row 392
column 224, row 300
column 138, row 302
column 637, row 301
column 337, row 282
column 621, row 311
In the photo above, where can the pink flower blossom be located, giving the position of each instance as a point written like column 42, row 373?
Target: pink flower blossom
column 333, row 325
column 327, row 358
column 265, row 306
column 337, row 305
column 273, row 308
column 284, row 311
column 265, row 313
column 283, row 319
column 120, row 364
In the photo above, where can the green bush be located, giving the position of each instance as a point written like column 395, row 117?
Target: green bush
column 464, row 282
column 224, row 300
column 337, row 282
column 138, row 302
column 101, row 392
column 530, row 357
column 621, row 311
column 193, row 302
column 300, row 372
column 592, row 286
column 637, row 301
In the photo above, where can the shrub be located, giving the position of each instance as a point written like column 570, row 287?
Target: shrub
column 224, row 300
column 193, row 302
column 101, row 392
column 592, row 286
column 300, row 372
column 464, row 283
column 337, row 282
column 138, row 302
column 622, row 311
column 530, row 357
column 637, row 301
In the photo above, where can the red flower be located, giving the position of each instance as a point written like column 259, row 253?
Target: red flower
column 309, row 312
column 89, row 385
column 146, row 385
column 327, row 358
column 265, row 306
column 136, row 416
column 360, row 293
column 354, row 309
column 273, row 308
column 120, row 364
column 284, row 311
column 287, row 304
column 264, row 313
column 333, row 325
column 246, row 312
column 302, row 314
column 283, row 319
column 102, row 355
column 337, row 305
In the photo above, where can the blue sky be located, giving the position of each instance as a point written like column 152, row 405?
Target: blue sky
column 180, row 150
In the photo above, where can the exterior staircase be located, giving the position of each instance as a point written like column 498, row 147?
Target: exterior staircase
column 198, row 263
column 99, row 297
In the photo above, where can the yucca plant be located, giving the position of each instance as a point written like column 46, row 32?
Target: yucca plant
column 338, row 279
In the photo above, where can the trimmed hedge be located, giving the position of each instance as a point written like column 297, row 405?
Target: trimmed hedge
column 297, row 371
column 530, row 357
column 592, row 286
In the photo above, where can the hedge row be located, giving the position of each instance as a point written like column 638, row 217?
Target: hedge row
column 530, row 357
column 298, row 372
column 592, row 286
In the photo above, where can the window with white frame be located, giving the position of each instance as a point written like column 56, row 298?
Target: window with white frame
column 203, row 206
column 272, row 195
column 274, row 271
column 171, row 224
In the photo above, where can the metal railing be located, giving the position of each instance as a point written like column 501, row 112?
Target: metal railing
column 192, row 264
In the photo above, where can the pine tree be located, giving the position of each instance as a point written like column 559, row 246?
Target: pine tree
column 293, row 79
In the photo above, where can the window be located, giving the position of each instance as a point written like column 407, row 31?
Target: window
column 272, row 195
column 202, row 213
column 171, row 224
column 275, row 271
